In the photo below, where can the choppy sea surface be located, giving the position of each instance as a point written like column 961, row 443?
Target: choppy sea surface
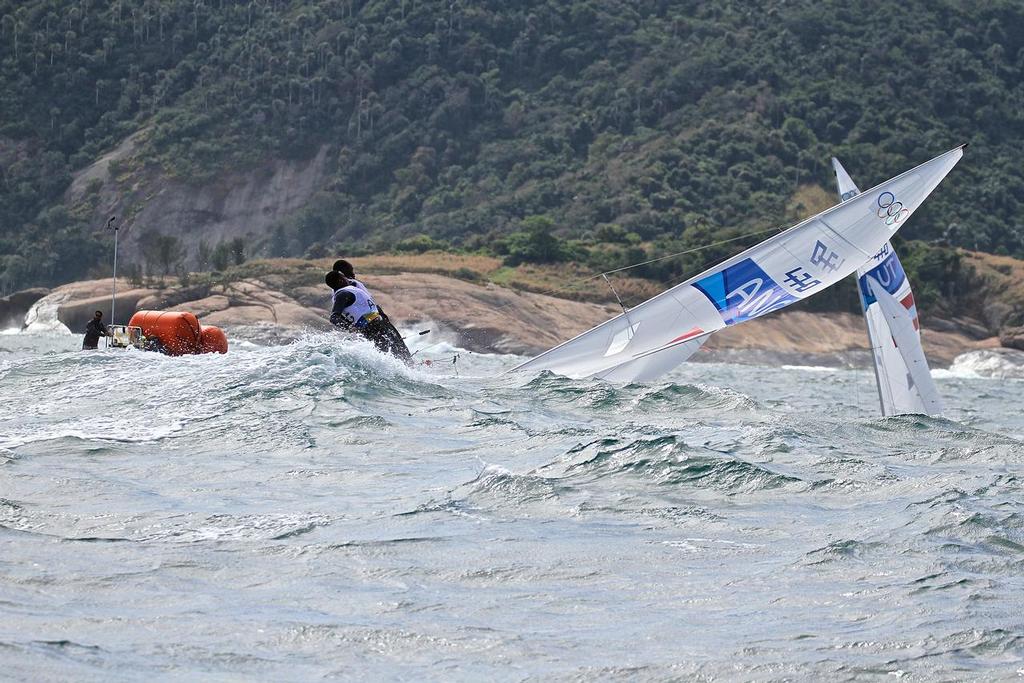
column 317, row 511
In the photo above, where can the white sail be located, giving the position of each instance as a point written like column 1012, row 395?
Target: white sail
column 902, row 388
column 650, row 367
column 655, row 336
column 916, row 381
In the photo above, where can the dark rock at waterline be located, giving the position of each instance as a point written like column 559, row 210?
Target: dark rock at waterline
column 14, row 307
column 1012, row 338
column 966, row 326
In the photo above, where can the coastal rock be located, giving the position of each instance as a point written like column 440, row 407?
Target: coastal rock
column 233, row 205
column 84, row 298
column 279, row 303
column 14, row 307
column 206, row 306
column 485, row 318
column 240, row 315
column 1012, row 338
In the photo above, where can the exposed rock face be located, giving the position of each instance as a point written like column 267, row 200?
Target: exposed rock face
column 486, row 317
column 248, row 303
column 483, row 317
column 99, row 171
column 243, row 204
column 14, row 307
column 1012, row 337
column 79, row 300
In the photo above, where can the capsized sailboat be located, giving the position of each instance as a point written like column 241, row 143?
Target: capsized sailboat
column 650, row 339
column 904, row 381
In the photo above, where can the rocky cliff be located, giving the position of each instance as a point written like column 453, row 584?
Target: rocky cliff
column 14, row 307
column 234, row 204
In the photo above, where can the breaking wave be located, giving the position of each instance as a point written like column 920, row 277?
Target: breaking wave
column 988, row 363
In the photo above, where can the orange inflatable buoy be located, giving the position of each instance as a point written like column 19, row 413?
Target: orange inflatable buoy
column 212, row 340
column 179, row 333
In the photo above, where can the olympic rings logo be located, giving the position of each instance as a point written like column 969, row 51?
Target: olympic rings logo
column 891, row 210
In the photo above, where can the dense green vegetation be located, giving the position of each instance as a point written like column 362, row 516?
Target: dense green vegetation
column 632, row 128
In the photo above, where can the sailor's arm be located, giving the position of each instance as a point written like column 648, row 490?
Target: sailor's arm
column 341, row 302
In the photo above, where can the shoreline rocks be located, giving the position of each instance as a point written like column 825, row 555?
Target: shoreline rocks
column 14, row 307
column 272, row 307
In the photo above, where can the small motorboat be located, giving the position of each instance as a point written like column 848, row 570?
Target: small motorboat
column 175, row 333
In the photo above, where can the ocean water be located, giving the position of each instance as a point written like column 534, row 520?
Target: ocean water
column 317, row 511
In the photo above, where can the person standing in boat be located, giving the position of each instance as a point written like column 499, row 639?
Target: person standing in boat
column 93, row 331
column 352, row 308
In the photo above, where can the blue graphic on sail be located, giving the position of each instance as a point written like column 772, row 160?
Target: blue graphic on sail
column 889, row 274
column 743, row 291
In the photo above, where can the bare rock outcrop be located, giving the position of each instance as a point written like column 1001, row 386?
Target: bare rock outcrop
column 238, row 204
column 242, row 304
column 1012, row 338
column 14, row 307
column 484, row 317
column 275, row 306
column 77, row 301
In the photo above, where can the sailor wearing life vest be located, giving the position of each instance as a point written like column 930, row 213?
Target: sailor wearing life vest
column 345, row 268
column 352, row 308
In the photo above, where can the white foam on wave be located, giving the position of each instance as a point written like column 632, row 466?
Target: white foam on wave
column 986, row 364
column 110, row 432
column 441, row 341
column 440, row 347
column 42, row 317
column 330, row 349
column 810, row 368
column 272, row 526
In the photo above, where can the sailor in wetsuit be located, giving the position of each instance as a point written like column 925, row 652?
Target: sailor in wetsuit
column 346, row 269
column 93, row 331
column 353, row 309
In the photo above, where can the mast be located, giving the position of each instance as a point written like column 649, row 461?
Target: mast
column 113, row 293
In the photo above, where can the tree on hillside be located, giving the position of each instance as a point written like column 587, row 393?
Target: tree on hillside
column 164, row 251
column 534, row 242
column 455, row 120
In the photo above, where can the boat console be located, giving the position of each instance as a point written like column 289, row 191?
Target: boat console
column 125, row 336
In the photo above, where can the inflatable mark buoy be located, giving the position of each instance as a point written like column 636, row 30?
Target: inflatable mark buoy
column 212, row 340
column 180, row 333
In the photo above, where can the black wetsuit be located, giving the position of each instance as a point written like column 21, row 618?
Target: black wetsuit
column 93, row 331
column 379, row 331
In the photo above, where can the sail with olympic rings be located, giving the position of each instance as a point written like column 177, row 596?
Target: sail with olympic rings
column 650, row 339
column 904, row 381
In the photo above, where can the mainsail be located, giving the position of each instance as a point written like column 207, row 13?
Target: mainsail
column 650, row 339
column 905, row 383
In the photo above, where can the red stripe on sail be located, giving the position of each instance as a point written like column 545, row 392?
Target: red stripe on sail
column 692, row 333
column 908, row 301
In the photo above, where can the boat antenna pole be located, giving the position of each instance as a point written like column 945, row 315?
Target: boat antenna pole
column 113, row 294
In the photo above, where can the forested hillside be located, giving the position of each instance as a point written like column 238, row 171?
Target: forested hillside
column 602, row 131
